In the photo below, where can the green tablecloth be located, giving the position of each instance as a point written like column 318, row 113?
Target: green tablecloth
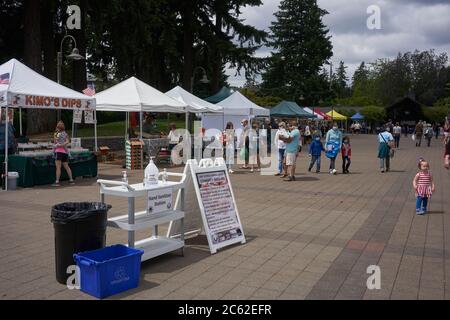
column 41, row 170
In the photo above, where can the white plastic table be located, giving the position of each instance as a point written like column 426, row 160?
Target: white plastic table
column 134, row 221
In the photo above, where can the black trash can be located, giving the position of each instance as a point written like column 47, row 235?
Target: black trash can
column 79, row 227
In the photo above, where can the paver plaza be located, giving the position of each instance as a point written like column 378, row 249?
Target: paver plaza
column 309, row 239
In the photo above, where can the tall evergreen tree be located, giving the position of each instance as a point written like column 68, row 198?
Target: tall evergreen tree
column 340, row 81
column 302, row 47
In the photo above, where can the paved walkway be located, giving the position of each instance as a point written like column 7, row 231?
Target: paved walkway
column 309, row 239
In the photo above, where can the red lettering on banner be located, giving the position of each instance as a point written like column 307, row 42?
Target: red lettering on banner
column 47, row 101
column 65, row 103
column 56, row 102
column 28, row 100
column 39, row 101
column 78, row 104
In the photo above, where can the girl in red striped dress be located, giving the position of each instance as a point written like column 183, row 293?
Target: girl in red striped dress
column 424, row 186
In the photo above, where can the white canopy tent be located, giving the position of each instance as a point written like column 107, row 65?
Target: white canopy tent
column 194, row 103
column 134, row 95
column 22, row 87
column 235, row 108
column 319, row 117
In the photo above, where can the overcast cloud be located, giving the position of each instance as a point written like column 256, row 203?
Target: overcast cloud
column 406, row 25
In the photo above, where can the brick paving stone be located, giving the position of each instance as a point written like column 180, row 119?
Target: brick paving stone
column 305, row 241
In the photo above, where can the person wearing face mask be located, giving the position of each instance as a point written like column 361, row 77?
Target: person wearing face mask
column 346, row 155
column 334, row 145
column 315, row 150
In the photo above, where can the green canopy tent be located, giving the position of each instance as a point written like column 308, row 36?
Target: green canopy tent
column 289, row 109
column 223, row 94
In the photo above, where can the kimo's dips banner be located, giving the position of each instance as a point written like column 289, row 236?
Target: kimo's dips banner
column 48, row 102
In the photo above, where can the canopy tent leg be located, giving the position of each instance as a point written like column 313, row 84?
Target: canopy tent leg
column 187, row 120
column 95, row 131
column 140, row 119
column 6, row 148
column 126, row 126
column 20, row 122
column 73, row 125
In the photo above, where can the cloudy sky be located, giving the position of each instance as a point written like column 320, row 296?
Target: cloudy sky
column 406, row 25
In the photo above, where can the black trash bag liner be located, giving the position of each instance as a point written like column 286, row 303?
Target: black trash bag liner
column 70, row 212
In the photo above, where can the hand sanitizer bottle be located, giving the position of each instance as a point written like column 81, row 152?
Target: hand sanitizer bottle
column 165, row 176
column 151, row 174
column 124, row 177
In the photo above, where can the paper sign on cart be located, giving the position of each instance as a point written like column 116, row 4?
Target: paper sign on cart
column 159, row 201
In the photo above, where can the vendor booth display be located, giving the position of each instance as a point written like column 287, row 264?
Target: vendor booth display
column 134, row 155
column 133, row 95
column 358, row 117
column 39, row 170
column 322, row 114
column 313, row 112
column 289, row 109
column 336, row 116
column 235, row 108
column 194, row 103
column 21, row 87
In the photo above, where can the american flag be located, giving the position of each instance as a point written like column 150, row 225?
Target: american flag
column 89, row 91
column 4, row 78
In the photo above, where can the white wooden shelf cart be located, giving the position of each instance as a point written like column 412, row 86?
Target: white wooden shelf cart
column 134, row 221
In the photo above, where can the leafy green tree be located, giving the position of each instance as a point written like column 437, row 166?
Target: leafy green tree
column 374, row 114
column 263, row 101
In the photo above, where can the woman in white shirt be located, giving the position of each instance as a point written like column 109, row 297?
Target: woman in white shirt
column 397, row 134
column 174, row 138
column 281, row 147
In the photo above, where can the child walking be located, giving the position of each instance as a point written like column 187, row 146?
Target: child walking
column 315, row 150
column 424, row 187
column 346, row 155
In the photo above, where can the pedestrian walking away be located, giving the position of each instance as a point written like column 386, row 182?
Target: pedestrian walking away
column 419, row 133
column 386, row 144
column 397, row 135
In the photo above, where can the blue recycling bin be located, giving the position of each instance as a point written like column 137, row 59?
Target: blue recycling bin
column 109, row 271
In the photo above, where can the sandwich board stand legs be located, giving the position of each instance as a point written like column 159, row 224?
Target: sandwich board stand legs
column 211, row 205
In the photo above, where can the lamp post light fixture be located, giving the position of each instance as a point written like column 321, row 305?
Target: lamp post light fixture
column 74, row 55
column 204, row 79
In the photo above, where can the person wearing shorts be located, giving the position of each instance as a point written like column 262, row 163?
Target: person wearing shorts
column 292, row 149
column 62, row 153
